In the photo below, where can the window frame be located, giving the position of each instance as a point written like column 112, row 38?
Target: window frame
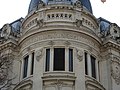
column 89, row 65
column 51, row 63
column 23, row 68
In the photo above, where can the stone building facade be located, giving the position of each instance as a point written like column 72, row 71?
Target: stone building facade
column 60, row 45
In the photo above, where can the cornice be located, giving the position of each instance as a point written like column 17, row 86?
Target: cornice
column 8, row 44
column 111, row 44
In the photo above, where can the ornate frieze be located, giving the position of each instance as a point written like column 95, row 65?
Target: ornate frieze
column 58, row 35
column 67, row 43
column 51, row 43
column 31, row 23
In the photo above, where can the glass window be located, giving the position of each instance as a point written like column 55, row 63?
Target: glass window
column 32, row 64
column 93, row 67
column 59, row 59
column 25, row 67
column 71, row 60
column 47, row 59
column 86, row 67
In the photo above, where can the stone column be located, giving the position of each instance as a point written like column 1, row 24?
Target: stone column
column 29, row 65
column 51, row 58
column 22, row 66
column 89, row 65
column 97, row 73
column 66, row 59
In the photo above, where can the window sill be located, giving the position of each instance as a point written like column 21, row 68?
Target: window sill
column 90, row 81
column 59, row 75
column 27, row 78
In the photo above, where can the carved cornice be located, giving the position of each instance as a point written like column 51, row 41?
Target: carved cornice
column 111, row 44
column 8, row 44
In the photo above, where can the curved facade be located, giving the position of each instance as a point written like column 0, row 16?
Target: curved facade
column 60, row 46
column 34, row 3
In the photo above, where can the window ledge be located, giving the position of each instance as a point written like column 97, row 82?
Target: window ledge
column 59, row 76
column 93, row 82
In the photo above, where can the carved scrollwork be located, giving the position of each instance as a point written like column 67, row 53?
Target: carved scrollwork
column 6, row 30
column 40, row 23
column 115, row 70
column 78, row 23
column 39, row 54
column 41, row 4
column 79, row 55
column 78, row 3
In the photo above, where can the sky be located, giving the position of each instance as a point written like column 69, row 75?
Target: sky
column 11, row 10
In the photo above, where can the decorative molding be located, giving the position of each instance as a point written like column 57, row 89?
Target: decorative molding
column 58, row 35
column 78, row 23
column 39, row 54
column 41, row 4
column 78, row 4
column 6, row 30
column 115, row 70
column 58, row 84
column 112, row 44
column 24, row 85
column 67, row 43
column 40, row 23
column 51, row 43
column 79, row 55
column 29, row 49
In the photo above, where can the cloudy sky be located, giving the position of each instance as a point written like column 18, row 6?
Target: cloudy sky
column 11, row 10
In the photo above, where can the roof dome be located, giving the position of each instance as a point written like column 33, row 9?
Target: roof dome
column 34, row 3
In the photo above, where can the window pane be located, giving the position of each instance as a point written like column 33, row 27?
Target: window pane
column 47, row 59
column 71, row 60
column 25, row 66
column 86, row 66
column 59, row 59
column 93, row 67
column 32, row 63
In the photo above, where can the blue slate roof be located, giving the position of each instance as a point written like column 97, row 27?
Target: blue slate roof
column 35, row 3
